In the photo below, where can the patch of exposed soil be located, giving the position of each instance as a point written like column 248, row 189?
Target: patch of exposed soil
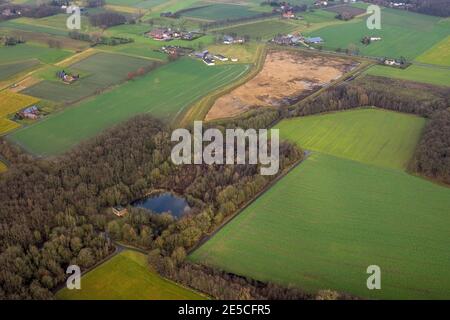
column 286, row 78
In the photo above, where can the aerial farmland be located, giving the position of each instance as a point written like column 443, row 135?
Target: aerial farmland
column 107, row 193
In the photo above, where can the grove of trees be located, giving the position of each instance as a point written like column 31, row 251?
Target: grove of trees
column 56, row 212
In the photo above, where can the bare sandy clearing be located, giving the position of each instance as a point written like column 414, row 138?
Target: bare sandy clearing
column 285, row 78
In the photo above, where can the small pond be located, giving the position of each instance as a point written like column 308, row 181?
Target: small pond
column 164, row 202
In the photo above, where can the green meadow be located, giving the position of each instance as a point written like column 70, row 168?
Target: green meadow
column 29, row 51
column 97, row 72
column 141, row 4
column 323, row 224
column 438, row 54
column 10, row 69
column 25, row 24
column 165, row 93
column 349, row 205
column 265, row 29
column 433, row 75
column 221, row 11
column 127, row 276
column 403, row 34
column 371, row 136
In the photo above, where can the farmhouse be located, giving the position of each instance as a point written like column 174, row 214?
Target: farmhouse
column 201, row 55
column 167, row 34
column 29, row 113
column 206, row 57
column 119, row 211
column 176, row 50
column 288, row 40
column 220, row 57
column 314, row 40
column 67, row 77
column 289, row 14
column 321, row 3
column 161, row 34
column 209, row 61
column 391, row 62
column 232, row 40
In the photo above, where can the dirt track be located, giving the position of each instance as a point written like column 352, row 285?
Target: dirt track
column 285, row 78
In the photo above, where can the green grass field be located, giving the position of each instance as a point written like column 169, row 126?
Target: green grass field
column 10, row 69
column 26, row 24
column 221, row 11
column 432, row 75
column 126, row 276
column 403, row 34
column 29, row 51
column 318, row 16
column 142, row 4
column 98, row 72
column 163, row 93
column 438, row 54
column 372, row 136
column 265, row 29
column 322, row 225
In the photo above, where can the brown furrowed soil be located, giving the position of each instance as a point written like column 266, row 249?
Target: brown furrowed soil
column 286, row 78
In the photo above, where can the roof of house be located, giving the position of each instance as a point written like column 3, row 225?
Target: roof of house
column 314, row 39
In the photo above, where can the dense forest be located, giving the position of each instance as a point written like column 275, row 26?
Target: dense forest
column 27, row 10
column 53, row 211
column 432, row 158
column 107, row 19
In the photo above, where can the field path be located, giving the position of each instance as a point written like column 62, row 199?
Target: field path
column 76, row 57
column 428, row 65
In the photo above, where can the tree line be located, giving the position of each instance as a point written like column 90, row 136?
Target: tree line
column 107, row 19
column 432, row 158
column 440, row 8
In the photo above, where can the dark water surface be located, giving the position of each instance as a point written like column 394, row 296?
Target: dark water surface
column 164, row 202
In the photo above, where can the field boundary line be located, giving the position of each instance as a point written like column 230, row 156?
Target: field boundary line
column 129, row 55
column 429, row 65
column 77, row 57
column 247, row 204
column 243, row 24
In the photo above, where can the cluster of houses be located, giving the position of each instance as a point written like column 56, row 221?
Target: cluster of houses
column 233, row 40
column 176, row 51
column 67, row 77
column 32, row 113
column 210, row 59
column 168, row 34
column 295, row 40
